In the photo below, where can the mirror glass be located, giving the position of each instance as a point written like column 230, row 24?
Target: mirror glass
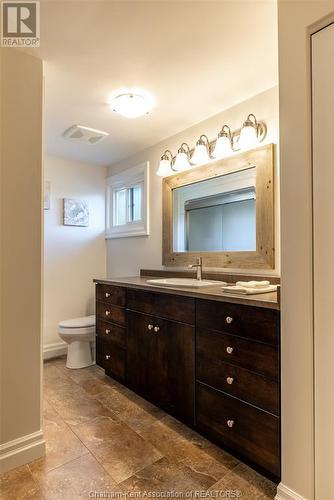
column 217, row 214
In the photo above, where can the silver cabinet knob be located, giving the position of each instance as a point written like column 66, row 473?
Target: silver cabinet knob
column 107, row 313
column 230, row 380
column 230, row 423
column 150, row 327
column 156, row 329
column 228, row 320
column 107, row 295
column 229, row 350
column 107, row 331
column 107, row 356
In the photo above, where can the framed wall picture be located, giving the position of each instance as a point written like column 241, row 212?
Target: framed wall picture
column 76, row 212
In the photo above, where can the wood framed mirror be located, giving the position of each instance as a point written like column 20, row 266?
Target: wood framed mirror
column 222, row 211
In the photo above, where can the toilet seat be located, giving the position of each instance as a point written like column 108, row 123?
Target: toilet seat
column 84, row 322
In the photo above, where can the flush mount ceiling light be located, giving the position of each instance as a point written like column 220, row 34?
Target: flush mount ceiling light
column 224, row 143
column 166, row 164
column 251, row 132
column 79, row 133
column 249, row 135
column 182, row 158
column 131, row 103
column 201, row 152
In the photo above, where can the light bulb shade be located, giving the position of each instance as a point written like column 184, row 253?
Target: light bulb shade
column 200, row 154
column 165, row 168
column 248, row 136
column 181, row 161
column 222, row 147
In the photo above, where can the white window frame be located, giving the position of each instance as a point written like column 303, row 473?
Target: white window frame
column 125, row 180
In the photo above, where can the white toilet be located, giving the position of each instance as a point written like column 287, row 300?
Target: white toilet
column 79, row 334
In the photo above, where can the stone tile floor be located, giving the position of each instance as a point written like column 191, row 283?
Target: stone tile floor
column 104, row 441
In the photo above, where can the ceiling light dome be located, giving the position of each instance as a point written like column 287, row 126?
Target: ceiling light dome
column 132, row 103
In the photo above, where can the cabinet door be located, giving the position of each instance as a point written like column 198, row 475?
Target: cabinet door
column 171, row 368
column 138, row 338
column 160, row 363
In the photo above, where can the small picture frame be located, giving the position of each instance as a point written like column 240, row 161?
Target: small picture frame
column 47, row 195
column 75, row 212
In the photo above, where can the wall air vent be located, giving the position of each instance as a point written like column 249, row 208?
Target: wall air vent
column 79, row 133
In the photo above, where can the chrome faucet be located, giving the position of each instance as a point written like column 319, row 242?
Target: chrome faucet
column 199, row 268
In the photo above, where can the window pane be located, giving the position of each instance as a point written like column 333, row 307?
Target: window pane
column 135, row 209
column 120, row 207
column 136, row 202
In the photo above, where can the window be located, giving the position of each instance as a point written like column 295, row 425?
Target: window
column 127, row 203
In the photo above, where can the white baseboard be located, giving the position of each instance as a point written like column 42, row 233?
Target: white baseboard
column 285, row 493
column 54, row 350
column 21, row 451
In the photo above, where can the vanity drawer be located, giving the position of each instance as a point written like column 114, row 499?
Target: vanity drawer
column 215, row 347
column 237, row 382
column 111, row 333
column 250, row 432
column 245, row 321
column 111, row 294
column 111, row 358
column 172, row 307
column 110, row 313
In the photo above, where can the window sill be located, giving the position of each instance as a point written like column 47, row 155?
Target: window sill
column 126, row 235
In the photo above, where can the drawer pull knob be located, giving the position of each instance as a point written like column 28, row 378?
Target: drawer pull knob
column 107, row 313
column 107, row 295
column 229, row 350
column 229, row 320
column 156, row 329
column 150, row 327
column 230, row 380
column 107, row 356
column 107, row 331
column 230, row 423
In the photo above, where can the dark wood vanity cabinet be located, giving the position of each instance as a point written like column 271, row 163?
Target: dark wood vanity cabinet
column 211, row 364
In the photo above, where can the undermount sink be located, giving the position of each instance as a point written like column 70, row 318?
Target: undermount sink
column 184, row 282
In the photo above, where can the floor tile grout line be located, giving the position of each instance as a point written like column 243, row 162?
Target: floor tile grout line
column 61, row 465
column 228, row 473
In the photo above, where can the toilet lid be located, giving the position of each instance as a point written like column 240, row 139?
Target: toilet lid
column 84, row 322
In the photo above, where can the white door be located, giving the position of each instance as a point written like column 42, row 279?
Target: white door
column 323, row 204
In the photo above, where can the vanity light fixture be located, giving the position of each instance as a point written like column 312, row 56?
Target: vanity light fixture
column 166, row 164
column 182, row 158
column 251, row 133
column 131, row 103
column 201, row 152
column 224, row 143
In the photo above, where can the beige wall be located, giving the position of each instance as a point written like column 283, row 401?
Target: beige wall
column 323, row 205
column 73, row 256
column 126, row 256
column 21, row 236
column 294, row 18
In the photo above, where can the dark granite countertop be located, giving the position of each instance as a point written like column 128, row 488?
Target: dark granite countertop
column 265, row 300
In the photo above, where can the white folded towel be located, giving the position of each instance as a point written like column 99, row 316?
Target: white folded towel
column 247, row 290
column 253, row 284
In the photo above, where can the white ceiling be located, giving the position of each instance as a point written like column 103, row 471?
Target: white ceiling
column 197, row 58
